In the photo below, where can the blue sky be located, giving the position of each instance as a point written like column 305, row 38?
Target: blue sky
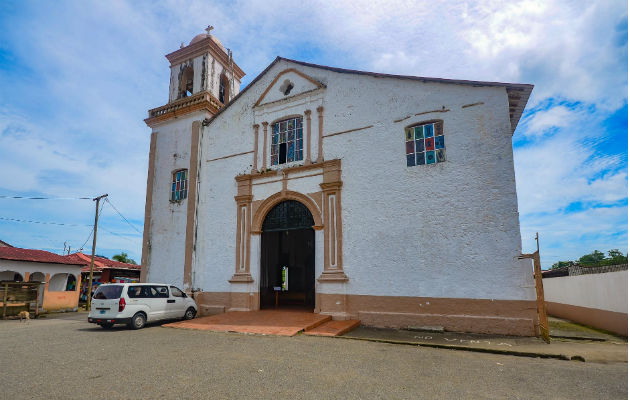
column 77, row 77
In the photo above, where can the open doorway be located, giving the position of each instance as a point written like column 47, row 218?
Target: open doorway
column 288, row 257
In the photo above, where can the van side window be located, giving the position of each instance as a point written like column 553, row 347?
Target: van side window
column 159, row 291
column 176, row 292
column 137, row 292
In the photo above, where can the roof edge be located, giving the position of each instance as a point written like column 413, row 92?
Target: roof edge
column 516, row 110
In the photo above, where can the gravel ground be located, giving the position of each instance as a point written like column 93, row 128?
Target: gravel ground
column 64, row 357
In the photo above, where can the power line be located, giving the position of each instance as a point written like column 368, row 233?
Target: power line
column 123, row 217
column 121, row 235
column 40, row 222
column 43, row 198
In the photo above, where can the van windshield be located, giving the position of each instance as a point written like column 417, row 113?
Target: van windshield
column 108, row 292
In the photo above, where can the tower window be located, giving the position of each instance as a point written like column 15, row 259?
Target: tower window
column 186, row 82
column 224, row 92
column 286, row 141
column 179, row 189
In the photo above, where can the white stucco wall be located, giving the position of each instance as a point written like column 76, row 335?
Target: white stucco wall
column 444, row 230
column 607, row 291
column 22, row 267
column 168, row 218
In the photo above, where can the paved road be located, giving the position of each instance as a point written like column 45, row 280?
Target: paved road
column 65, row 357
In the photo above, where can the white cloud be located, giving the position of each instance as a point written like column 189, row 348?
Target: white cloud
column 85, row 74
column 563, row 170
column 556, row 117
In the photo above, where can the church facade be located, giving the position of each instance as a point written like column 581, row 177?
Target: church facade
column 389, row 199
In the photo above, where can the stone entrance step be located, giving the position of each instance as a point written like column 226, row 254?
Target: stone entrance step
column 263, row 322
column 333, row 328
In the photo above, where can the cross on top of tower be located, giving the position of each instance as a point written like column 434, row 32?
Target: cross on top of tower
column 209, row 28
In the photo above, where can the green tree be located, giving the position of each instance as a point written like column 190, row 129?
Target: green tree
column 561, row 264
column 592, row 259
column 122, row 257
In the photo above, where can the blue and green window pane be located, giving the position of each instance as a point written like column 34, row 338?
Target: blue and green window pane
column 290, row 151
column 411, row 160
column 298, row 134
column 418, row 132
column 420, row 158
column 439, row 142
column 428, row 130
column 430, row 157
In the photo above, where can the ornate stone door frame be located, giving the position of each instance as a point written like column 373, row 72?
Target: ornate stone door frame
column 324, row 205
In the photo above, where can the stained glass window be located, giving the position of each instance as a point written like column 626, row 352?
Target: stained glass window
column 286, row 141
column 179, row 189
column 424, row 144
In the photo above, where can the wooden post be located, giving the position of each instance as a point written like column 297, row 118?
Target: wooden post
column 37, row 302
column 543, row 323
column 89, row 295
column 540, row 295
column 4, row 301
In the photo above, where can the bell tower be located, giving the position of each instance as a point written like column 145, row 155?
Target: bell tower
column 204, row 76
column 203, row 80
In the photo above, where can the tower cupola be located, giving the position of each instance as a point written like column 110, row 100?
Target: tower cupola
column 203, row 76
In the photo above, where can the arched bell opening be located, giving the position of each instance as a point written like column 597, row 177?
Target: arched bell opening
column 287, row 257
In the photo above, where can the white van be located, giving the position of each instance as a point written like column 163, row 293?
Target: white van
column 135, row 304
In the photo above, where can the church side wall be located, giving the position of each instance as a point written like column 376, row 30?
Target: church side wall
column 418, row 241
column 168, row 218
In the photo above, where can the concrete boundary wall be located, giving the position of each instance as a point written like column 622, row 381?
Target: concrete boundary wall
column 598, row 300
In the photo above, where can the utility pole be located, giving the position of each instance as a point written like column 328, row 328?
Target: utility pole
column 89, row 294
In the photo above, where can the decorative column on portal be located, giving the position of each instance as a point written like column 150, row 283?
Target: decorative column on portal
column 243, row 229
column 333, row 238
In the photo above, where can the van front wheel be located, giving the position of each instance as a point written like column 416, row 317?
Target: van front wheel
column 190, row 313
column 138, row 321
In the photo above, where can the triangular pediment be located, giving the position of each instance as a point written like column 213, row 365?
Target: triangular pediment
column 286, row 84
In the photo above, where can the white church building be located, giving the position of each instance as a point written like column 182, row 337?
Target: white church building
column 385, row 198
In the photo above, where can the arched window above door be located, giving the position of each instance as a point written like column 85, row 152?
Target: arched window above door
column 288, row 215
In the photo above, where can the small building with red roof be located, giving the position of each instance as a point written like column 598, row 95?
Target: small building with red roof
column 61, row 275
column 104, row 271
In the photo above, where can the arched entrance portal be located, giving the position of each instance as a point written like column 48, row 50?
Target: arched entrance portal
column 288, row 240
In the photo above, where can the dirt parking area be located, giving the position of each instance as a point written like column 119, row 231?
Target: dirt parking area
column 64, row 357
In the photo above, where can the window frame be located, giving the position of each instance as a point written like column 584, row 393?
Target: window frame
column 276, row 140
column 178, row 193
column 437, row 154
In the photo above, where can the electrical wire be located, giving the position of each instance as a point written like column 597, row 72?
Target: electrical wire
column 123, row 217
column 40, row 222
column 122, row 236
column 43, row 198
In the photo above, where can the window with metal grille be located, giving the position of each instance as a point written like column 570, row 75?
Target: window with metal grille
column 179, row 190
column 424, row 144
column 286, row 141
